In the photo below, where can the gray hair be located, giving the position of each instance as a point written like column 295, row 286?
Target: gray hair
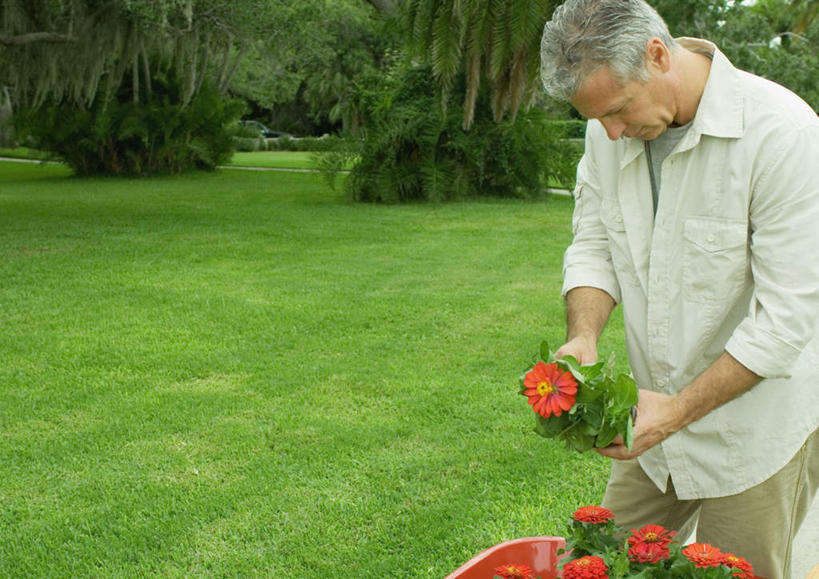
column 585, row 35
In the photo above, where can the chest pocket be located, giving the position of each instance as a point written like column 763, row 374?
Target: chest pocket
column 621, row 257
column 715, row 254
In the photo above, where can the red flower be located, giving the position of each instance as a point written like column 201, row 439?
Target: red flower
column 514, row 572
column 648, row 553
column 741, row 567
column 703, row 555
column 589, row 567
column 650, row 544
column 550, row 389
column 593, row 514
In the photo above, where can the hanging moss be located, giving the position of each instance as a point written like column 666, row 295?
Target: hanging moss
column 63, row 51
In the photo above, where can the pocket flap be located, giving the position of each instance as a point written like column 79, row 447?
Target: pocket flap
column 712, row 234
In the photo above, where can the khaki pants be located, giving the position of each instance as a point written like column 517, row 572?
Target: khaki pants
column 758, row 524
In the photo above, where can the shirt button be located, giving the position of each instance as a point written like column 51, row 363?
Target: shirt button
column 619, row 218
column 711, row 238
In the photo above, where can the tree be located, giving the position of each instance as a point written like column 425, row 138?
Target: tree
column 68, row 49
column 302, row 73
column 491, row 41
column 760, row 38
column 409, row 149
column 125, row 87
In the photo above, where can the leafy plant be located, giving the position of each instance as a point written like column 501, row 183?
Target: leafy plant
column 408, row 149
column 600, row 410
column 594, row 539
column 157, row 134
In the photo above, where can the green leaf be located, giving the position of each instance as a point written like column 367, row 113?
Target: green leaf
column 606, row 436
column 586, row 394
column 623, row 393
column 571, row 364
column 575, row 438
column 552, row 426
column 629, row 436
column 592, row 372
column 593, row 415
column 545, row 352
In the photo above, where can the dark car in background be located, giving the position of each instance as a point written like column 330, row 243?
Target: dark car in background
column 263, row 131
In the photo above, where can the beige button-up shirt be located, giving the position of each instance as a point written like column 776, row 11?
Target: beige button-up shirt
column 730, row 262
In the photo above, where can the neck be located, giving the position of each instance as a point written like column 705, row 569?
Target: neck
column 693, row 75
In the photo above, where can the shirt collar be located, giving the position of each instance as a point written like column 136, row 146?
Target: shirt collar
column 720, row 112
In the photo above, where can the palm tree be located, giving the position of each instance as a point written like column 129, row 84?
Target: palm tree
column 806, row 12
column 492, row 41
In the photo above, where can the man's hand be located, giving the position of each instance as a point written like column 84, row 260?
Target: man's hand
column 584, row 350
column 658, row 417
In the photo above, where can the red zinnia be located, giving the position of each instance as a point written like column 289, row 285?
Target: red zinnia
column 514, row 572
column 550, row 389
column 589, row 567
column 703, row 555
column 741, row 567
column 648, row 553
column 593, row 514
column 650, row 544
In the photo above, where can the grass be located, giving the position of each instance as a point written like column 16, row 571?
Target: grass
column 244, row 374
column 274, row 159
column 265, row 159
column 22, row 153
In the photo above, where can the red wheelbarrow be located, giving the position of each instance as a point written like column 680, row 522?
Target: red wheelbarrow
column 539, row 553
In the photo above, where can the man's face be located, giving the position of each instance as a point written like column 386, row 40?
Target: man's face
column 638, row 109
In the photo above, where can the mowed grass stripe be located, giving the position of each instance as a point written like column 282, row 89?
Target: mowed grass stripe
column 246, row 374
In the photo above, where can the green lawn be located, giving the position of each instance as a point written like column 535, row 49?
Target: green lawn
column 244, row 374
column 274, row 159
column 264, row 159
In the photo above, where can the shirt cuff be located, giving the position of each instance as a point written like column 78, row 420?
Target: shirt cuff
column 584, row 275
column 761, row 352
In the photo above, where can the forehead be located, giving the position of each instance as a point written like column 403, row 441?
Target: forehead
column 601, row 93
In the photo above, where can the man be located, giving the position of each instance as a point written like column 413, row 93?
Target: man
column 697, row 207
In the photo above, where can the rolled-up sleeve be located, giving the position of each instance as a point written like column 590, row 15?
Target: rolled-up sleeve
column 587, row 261
column 784, row 219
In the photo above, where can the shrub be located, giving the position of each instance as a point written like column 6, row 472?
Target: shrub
column 159, row 133
column 409, row 150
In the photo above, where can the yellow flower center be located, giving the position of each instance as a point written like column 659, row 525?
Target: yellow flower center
column 583, row 562
column 545, row 388
column 652, row 537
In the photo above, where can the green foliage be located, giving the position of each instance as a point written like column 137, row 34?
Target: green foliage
column 410, row 150
column 300, row 75
column 602, row 408
column 489, row 42
column 775, row 39
column 66, row 50
column 158, row 134
column 612, row 543
column 758, row 39
column 698, row 18
column 583, row 538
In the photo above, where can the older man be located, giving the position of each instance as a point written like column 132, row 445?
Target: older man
column 697, row 207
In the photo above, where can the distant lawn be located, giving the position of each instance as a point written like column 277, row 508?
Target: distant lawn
column 268, row 159
column 274, row 159
column 265, row 159
column 22, row 153
column 244, row 374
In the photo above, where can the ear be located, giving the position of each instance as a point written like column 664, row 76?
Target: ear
column 658, row 56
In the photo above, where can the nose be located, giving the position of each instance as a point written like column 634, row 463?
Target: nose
column 614, row 128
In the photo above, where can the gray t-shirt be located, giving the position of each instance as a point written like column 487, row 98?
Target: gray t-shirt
column 656, row 152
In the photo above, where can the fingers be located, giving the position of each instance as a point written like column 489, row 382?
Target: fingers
column 615, row 451
column 582, row 351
